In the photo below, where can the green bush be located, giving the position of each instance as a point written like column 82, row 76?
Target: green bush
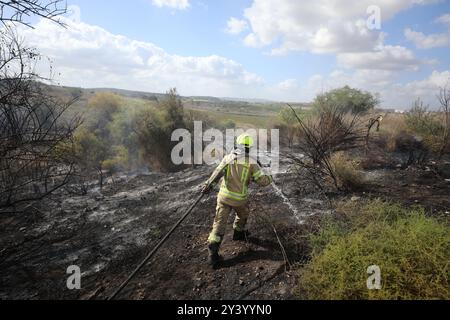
column 101, row 110
column 426, row 124
column 229, row 124
column 347, row 99
column 412, row 250
column 154, row 128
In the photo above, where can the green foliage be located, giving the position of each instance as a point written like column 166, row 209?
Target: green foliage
column 107, row 140
column 287, row 116
column 348, row 99
column 154, row 128
column 420, row 121
column 101, row 110
column 119, row 160
column 90, row 150
column 229, row 124
column 122, row 134
column 173, row 111
column 411, row 249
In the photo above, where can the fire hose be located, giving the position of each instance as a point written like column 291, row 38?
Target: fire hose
column 159, row 245
column 152, row 253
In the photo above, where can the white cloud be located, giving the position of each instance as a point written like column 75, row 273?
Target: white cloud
column 74, row 13
column 89, row 56
column 371, row 80
column 175, row 4
column 426, row 89
column 423, row 41
column 236, row 26
column 445, row 20
column 288, row 84
column 321, row 26
column 385, row 58
column 252, row 41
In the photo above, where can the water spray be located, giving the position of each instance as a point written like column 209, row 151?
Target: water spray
column 286, row 200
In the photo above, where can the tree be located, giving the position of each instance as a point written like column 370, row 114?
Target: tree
column 444, row 100
column 91, row 152
column 432, row 127
column 102, row 108
column 322, row 136
column 229, row 124
column 173, row 109
column 154, row 130
column 347, row 99
column 32, row 123
column 20, row 11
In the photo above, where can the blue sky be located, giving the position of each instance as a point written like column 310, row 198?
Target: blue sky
column 276, row 49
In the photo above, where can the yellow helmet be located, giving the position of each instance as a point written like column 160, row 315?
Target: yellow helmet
column 245, row 140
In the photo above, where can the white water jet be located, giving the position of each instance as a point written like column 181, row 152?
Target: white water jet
column 286, row 201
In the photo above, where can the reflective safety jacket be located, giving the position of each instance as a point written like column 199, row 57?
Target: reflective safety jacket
column 237, row 171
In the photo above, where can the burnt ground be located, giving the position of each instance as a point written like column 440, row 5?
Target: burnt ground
column 107, row 234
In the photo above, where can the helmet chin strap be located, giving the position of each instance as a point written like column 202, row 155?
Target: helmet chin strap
column 240, row 151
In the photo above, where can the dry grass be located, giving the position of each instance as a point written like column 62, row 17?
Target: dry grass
column 347, row 172
column 392, row 129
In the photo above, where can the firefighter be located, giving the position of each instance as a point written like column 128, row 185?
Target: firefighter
column 236, row 172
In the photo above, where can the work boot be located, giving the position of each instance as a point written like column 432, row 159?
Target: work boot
column 240, row 235
column 214, row 257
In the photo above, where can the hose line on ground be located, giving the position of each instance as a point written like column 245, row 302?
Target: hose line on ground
column 152, row 253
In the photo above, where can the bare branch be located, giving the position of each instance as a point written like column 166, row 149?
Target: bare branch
column 333, row 130
column 33, row 127
column 21, row 11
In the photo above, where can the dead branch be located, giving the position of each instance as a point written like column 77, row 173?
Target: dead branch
column 333, row 130
column 444, row 100
column 20, row 11
column 33, row 127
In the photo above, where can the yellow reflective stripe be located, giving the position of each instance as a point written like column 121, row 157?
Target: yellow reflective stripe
column 224, row 190
column 232, row 195
column 245, row 188
column 227, row 177
column 244, row 175
column 258, row 175
column 213, row 238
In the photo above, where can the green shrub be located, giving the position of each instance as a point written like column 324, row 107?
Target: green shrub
column 229, row 124
column 101, row 109
column 119, row 160
column 412, row 250
column 426, row 124
column 154, row 128
column 347, row 99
